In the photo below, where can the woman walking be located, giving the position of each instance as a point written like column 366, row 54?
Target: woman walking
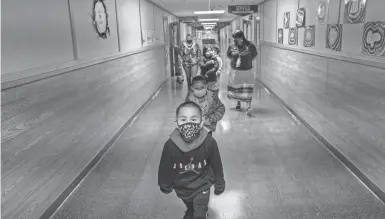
column 190, row 54
column 241, row 78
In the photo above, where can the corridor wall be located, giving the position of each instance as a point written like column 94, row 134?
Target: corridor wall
column 66, row 92
column 339, row 91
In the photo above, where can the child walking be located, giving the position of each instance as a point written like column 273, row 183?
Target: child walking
column 215, row 87
column 191, row 163
column 209, row 68
column 212, row 107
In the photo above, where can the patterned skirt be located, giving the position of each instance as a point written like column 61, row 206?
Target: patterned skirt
column 241, row 85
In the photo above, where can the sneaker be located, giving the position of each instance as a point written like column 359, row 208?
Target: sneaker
column 249, row 111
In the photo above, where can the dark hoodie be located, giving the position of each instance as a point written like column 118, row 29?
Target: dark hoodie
column 190, row 168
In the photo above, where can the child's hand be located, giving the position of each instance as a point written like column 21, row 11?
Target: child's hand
column 218, row 192
column 218, row 73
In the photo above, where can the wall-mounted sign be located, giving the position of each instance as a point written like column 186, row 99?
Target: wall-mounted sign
column 188, row 19
column 242, row 9
column 100, row 18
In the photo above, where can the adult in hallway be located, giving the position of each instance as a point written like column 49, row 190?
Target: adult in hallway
column 241, row 78
column 190, row 54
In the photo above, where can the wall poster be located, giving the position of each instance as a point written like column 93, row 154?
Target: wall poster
column 300, row 19
column 322, row 9
column 354, row 11
column 373, row 39
column 100, row 19
column 280, row 35
column 293, row 36
column 334, row 36
column 309, row 37
column 286, row 20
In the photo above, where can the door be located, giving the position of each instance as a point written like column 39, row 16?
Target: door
column 166, row 36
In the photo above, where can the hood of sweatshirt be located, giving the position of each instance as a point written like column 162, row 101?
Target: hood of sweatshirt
column 188, row 146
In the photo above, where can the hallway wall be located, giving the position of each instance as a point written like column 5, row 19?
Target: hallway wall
column 53, row 127
column 341, row 94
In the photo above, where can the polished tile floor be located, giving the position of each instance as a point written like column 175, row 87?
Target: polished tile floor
column 273, row 167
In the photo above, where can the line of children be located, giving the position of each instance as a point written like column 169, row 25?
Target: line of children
column 191, row 163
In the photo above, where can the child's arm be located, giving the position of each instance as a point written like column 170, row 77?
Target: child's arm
column 165, row 173
column 216, row 165
column 217, row 111
column 220, row 66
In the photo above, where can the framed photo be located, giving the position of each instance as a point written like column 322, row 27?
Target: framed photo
column 334, row 37
column 373, row 39
column 309, row 36
column 280, row 35
column 100, row 19
column 355, row 11
column 300, row 19
column 286, row 20
column 293, row 36
column 322, row 8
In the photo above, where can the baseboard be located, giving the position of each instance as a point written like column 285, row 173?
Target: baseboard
column 60, row 200
column 333, row 150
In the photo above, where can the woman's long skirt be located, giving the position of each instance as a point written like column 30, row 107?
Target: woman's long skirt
column 241, row 85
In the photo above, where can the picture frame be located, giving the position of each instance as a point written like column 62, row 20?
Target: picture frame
column 300, row 18
column 355, row 11
column 373, row 38
column 293, row 36
column 309, row 36
column 321, row 11
column 280, row 35
column 334, row 37
column 286, row 20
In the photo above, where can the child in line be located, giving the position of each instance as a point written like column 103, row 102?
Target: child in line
column 212, row 107
column 209, row 68
column 191, row 163
column 215, row 87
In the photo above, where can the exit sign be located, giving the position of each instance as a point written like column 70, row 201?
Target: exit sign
column 242, row 9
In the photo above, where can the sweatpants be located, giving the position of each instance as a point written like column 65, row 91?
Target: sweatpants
column 198, row 207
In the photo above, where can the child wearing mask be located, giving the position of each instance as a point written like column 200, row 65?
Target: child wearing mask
column 191, row 163
column 215, row 87
column 209, row 69
column 212, row 107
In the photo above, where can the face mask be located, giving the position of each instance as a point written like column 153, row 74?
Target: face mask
column 189, row 41
column 199, row 93
column 189, row 131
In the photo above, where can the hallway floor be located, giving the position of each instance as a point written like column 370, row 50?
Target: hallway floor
column 274, row 169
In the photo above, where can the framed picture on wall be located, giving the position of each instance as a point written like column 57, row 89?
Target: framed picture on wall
column 309, row 36
column 293, row 36
column 334, row 37
column 100, row 19
column 300, row 19
column 286, row 20
column 355, row 11
column 280, row 35
column 373, row 38
column 322, row 11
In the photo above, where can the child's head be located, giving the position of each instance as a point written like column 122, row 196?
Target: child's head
column 207, row 51
column 199, row 86
column 215, row 50
column 188, row 112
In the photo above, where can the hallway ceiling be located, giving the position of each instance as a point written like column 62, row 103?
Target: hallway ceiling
column 184, row 8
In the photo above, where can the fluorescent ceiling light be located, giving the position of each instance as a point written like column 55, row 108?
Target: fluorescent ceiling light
column 209, row 23
column 209, row 19
column 210, row 12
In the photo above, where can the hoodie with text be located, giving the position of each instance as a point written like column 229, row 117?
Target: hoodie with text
column 190, row 167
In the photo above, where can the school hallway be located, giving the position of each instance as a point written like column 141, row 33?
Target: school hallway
column 273, row 168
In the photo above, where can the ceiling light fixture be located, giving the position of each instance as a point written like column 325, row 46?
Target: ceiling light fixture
column 210, row 11
column 209, row 19
column 209, row 23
